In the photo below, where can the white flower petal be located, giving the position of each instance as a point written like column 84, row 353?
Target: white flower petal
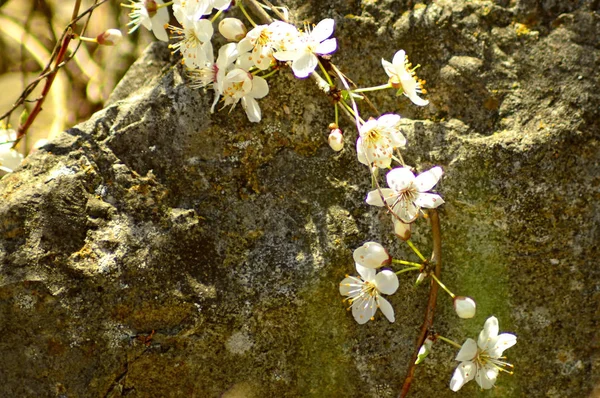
column 501, row 343
column 463, row 374
column 159, row 32
column 245, row 45
column 323, row 30
column 386, row 282
column 389, row 119
column 428, row 200
column 397, row 139
column 426, row 180
column 486, row 376
column 386, row 308
column 468, row 351
column 285, row 55
column 399, row 58
column 351, row 286
column 374, row 197
column 252, row 108
column 364, row 309
column 368, row 274
column 415, row 99
column 327, row 47
column 388, row 67
column 407, row 211
column 221, row 4
column 400, row 178
column 371, row 255
column 360, row 152
column 260, row 87
column 228, row 53
column 305, row 64
column 204, row 30
column 490, row 331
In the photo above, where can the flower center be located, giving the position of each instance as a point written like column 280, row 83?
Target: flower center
column 372, row 137
column 483, row 358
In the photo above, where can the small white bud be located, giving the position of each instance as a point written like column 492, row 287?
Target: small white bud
column 372, row 255
column 336, row 140
column 424, row 350
column 402, row 230
column 10, row 159
column 109, row 38
column 232, row 29
column 420, row 278
column 464, row 306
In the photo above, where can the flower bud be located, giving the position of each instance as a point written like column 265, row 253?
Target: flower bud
column 10, row 159
column 401, row 229
column 336, row 140
column 372, row 255
column 464, row 307
column 424, row 350
column 109, row 38
column 232, row 29
column 420, row 278
column 151, row 7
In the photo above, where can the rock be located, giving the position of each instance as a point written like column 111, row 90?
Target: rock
column 158, row 250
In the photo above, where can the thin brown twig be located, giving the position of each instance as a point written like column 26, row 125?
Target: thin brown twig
column 59, row 59
column 436, row 258
column 258, row 11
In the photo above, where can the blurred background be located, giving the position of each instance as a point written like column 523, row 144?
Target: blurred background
column 29, row 30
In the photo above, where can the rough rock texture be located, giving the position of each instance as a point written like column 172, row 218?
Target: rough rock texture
column 161, row 251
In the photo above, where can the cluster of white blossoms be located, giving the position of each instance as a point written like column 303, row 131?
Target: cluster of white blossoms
column 239, row 74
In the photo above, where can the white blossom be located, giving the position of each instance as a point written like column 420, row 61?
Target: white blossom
column 303, row 52
column 364, row 293
column 10, row 159
column 408, row 194
column 483, row 360
column 194, row 41
column 196, row 9
column 150, row 13
column 257, row 48
column 241, row 85
column 402, row 77
column 213, row 73
column 377, row 140
column 372, row 255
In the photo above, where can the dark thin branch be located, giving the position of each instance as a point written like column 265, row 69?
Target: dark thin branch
column 59, row 58
column 436, row 259
column 257, row 10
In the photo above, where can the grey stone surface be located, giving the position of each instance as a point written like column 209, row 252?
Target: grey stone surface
column 157, row 250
